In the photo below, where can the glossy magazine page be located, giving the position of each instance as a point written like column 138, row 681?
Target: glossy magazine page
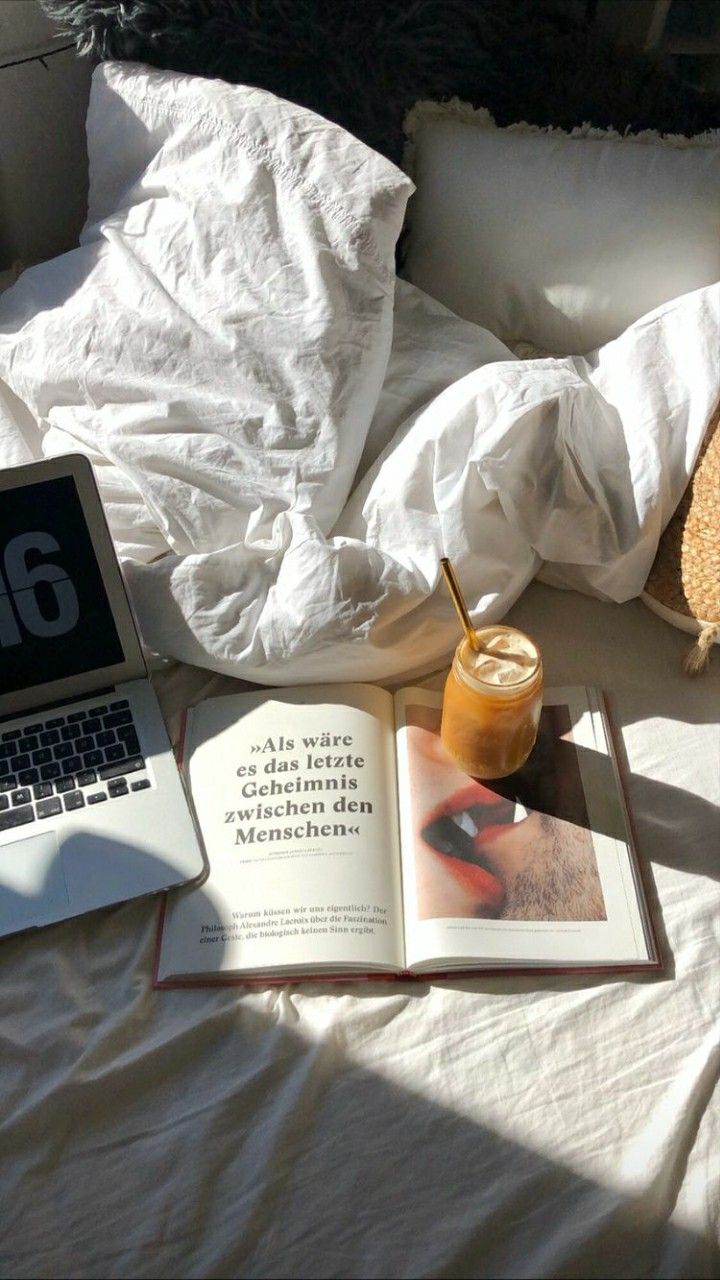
column 534, row 870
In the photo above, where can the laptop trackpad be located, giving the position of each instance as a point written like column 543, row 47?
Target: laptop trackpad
column 32, row 883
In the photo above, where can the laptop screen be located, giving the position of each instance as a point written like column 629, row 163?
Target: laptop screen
column 55, row 616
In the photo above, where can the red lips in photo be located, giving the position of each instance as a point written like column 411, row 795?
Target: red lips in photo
column 459, row 829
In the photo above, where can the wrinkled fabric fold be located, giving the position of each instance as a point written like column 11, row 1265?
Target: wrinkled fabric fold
column 287, row 438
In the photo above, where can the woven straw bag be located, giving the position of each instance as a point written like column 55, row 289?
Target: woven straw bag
column 684, row 582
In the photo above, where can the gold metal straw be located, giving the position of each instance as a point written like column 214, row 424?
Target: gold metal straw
column 458, row 601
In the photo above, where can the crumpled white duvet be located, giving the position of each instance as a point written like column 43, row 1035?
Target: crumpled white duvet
column 287, row 438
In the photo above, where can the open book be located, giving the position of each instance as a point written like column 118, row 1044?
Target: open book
column 343, row 841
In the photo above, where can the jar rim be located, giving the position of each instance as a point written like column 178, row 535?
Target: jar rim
column 497, row 690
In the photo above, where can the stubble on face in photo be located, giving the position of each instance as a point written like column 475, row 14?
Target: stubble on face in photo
column 518, row 849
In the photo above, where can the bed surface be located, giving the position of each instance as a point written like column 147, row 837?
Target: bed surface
column 500, row 1127
column 547, row 1126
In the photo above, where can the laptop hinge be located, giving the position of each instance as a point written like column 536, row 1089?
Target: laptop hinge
column 29, row 712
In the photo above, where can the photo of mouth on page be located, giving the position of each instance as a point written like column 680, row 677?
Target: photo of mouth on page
column 517, row 848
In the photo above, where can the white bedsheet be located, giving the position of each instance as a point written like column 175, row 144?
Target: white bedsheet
column 564, row 1126
column 229, row 347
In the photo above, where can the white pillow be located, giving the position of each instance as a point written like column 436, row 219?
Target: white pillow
column 561, row 240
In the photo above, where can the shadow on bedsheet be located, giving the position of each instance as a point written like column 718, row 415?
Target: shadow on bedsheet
column 405, row 1186
column 196, row 1133
column 193, row 1134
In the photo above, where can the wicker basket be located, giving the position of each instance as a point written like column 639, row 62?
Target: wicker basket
column 684, row 582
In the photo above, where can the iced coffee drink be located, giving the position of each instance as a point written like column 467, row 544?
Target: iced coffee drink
column 492, row 702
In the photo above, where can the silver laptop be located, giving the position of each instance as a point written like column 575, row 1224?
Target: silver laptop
column 92, row 807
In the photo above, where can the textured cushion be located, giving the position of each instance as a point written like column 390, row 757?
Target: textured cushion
column 558, row 239
column 364, row 65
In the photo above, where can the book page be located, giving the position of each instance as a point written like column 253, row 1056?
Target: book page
column 295, row 795
column 534, row 869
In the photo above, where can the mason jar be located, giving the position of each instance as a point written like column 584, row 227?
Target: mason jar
column 492, row 702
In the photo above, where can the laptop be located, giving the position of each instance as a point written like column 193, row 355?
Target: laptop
column 92, row 807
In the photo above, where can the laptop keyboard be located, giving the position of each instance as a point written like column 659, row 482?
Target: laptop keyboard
column 64, row 762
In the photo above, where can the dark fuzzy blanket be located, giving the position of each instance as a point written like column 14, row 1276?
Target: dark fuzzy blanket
column 363, row 63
